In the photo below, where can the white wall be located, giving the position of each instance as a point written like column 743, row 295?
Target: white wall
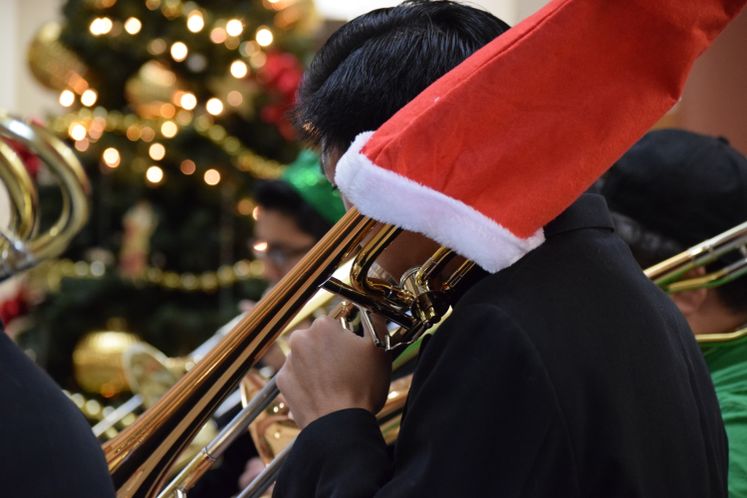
column 8, row 53
column 510, row 11
column 32, row 99
column 19, row 92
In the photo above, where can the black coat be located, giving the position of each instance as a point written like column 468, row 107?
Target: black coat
column 47, row 448
column 568, row 374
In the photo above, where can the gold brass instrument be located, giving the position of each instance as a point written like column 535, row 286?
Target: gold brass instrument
column 671, row 274
column 150, row 373
column 274, row 431
column 19, row 249
column 22, row 195
column 141, row 456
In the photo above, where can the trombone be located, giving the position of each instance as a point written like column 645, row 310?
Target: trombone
column 20, row 248
column 671, row 274
column 141, row 362
column 141, row 456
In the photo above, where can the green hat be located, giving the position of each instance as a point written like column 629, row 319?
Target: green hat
column 306, row 178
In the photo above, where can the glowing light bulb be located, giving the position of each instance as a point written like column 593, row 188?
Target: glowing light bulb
column 188, row 167
column 67, row 98
column 195, row 21
column 154, row 174
column 245, row 206
column 95, row 27
column 111, row 157
column 100, row 26
column 77, row 131
column 167, row 110
column 89, row 97
column 147, row 134
column 260, row 247
column 234, row 27
column 188, row 101
column 264, row 37
column 214, row 106
column 239, row 69
column 212, row 177
column 157, row 46
column 156, row 151
column 169, row 129
column 179, row 51
column 133, row 25
column 218, row 35
column 258, row 59
column 234, row 98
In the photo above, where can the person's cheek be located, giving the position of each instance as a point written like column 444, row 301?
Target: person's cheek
column 271, row 273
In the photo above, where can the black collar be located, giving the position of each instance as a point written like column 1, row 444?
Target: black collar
column 589, row 211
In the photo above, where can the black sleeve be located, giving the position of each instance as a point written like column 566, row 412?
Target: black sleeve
column 482, row 420
column 46, row 446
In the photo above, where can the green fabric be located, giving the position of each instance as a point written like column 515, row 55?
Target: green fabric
column 305, row 176
column 728, row 365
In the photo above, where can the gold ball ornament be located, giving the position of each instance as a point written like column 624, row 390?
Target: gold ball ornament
column 297, row 16
column 151, row 89
column 54, row 65
column 97, row 360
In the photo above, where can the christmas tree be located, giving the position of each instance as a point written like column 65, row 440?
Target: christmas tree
column 176, row 109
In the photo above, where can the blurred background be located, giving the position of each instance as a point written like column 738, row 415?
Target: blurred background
column 176, row 108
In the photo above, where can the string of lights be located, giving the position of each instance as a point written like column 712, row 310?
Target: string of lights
column 49, row 275
column 86, row 126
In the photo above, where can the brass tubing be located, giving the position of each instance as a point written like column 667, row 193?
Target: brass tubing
column 269, row 475
column 117, row 415
column 74, row 186
column 140, row 457
column 204, row 460
column 22, row 195
column 671, row 269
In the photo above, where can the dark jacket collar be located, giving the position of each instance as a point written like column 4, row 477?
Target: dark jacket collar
column 589, row 211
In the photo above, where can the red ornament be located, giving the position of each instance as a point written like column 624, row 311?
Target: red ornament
column 27, row 156
column 280, row 77
column 14, row 307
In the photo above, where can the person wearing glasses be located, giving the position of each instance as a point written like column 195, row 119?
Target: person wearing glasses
column 292, row 214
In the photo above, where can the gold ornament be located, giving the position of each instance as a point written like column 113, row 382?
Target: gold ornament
column 97, row 360
column 54, row 65
column 151, row 89
column 299, row 16
column 238, row 94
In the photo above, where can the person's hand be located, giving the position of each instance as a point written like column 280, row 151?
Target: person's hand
column 331, row 369
column 252, row 469
column 247, row 305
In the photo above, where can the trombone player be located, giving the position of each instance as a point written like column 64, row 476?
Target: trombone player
column 671, row 191
column 540, row 382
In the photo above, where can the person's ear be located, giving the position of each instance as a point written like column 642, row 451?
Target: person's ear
column 689, row 302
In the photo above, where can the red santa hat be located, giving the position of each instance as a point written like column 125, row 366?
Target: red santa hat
column 491, row 152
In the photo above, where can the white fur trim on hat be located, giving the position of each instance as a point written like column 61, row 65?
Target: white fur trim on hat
column 397, row 200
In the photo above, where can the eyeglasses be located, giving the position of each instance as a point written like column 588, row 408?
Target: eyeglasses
column 278, row 254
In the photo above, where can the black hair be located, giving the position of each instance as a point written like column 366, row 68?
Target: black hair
column 278, row 196
column 378, row 62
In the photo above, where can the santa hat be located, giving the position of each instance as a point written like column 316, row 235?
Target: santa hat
column 491, row 152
